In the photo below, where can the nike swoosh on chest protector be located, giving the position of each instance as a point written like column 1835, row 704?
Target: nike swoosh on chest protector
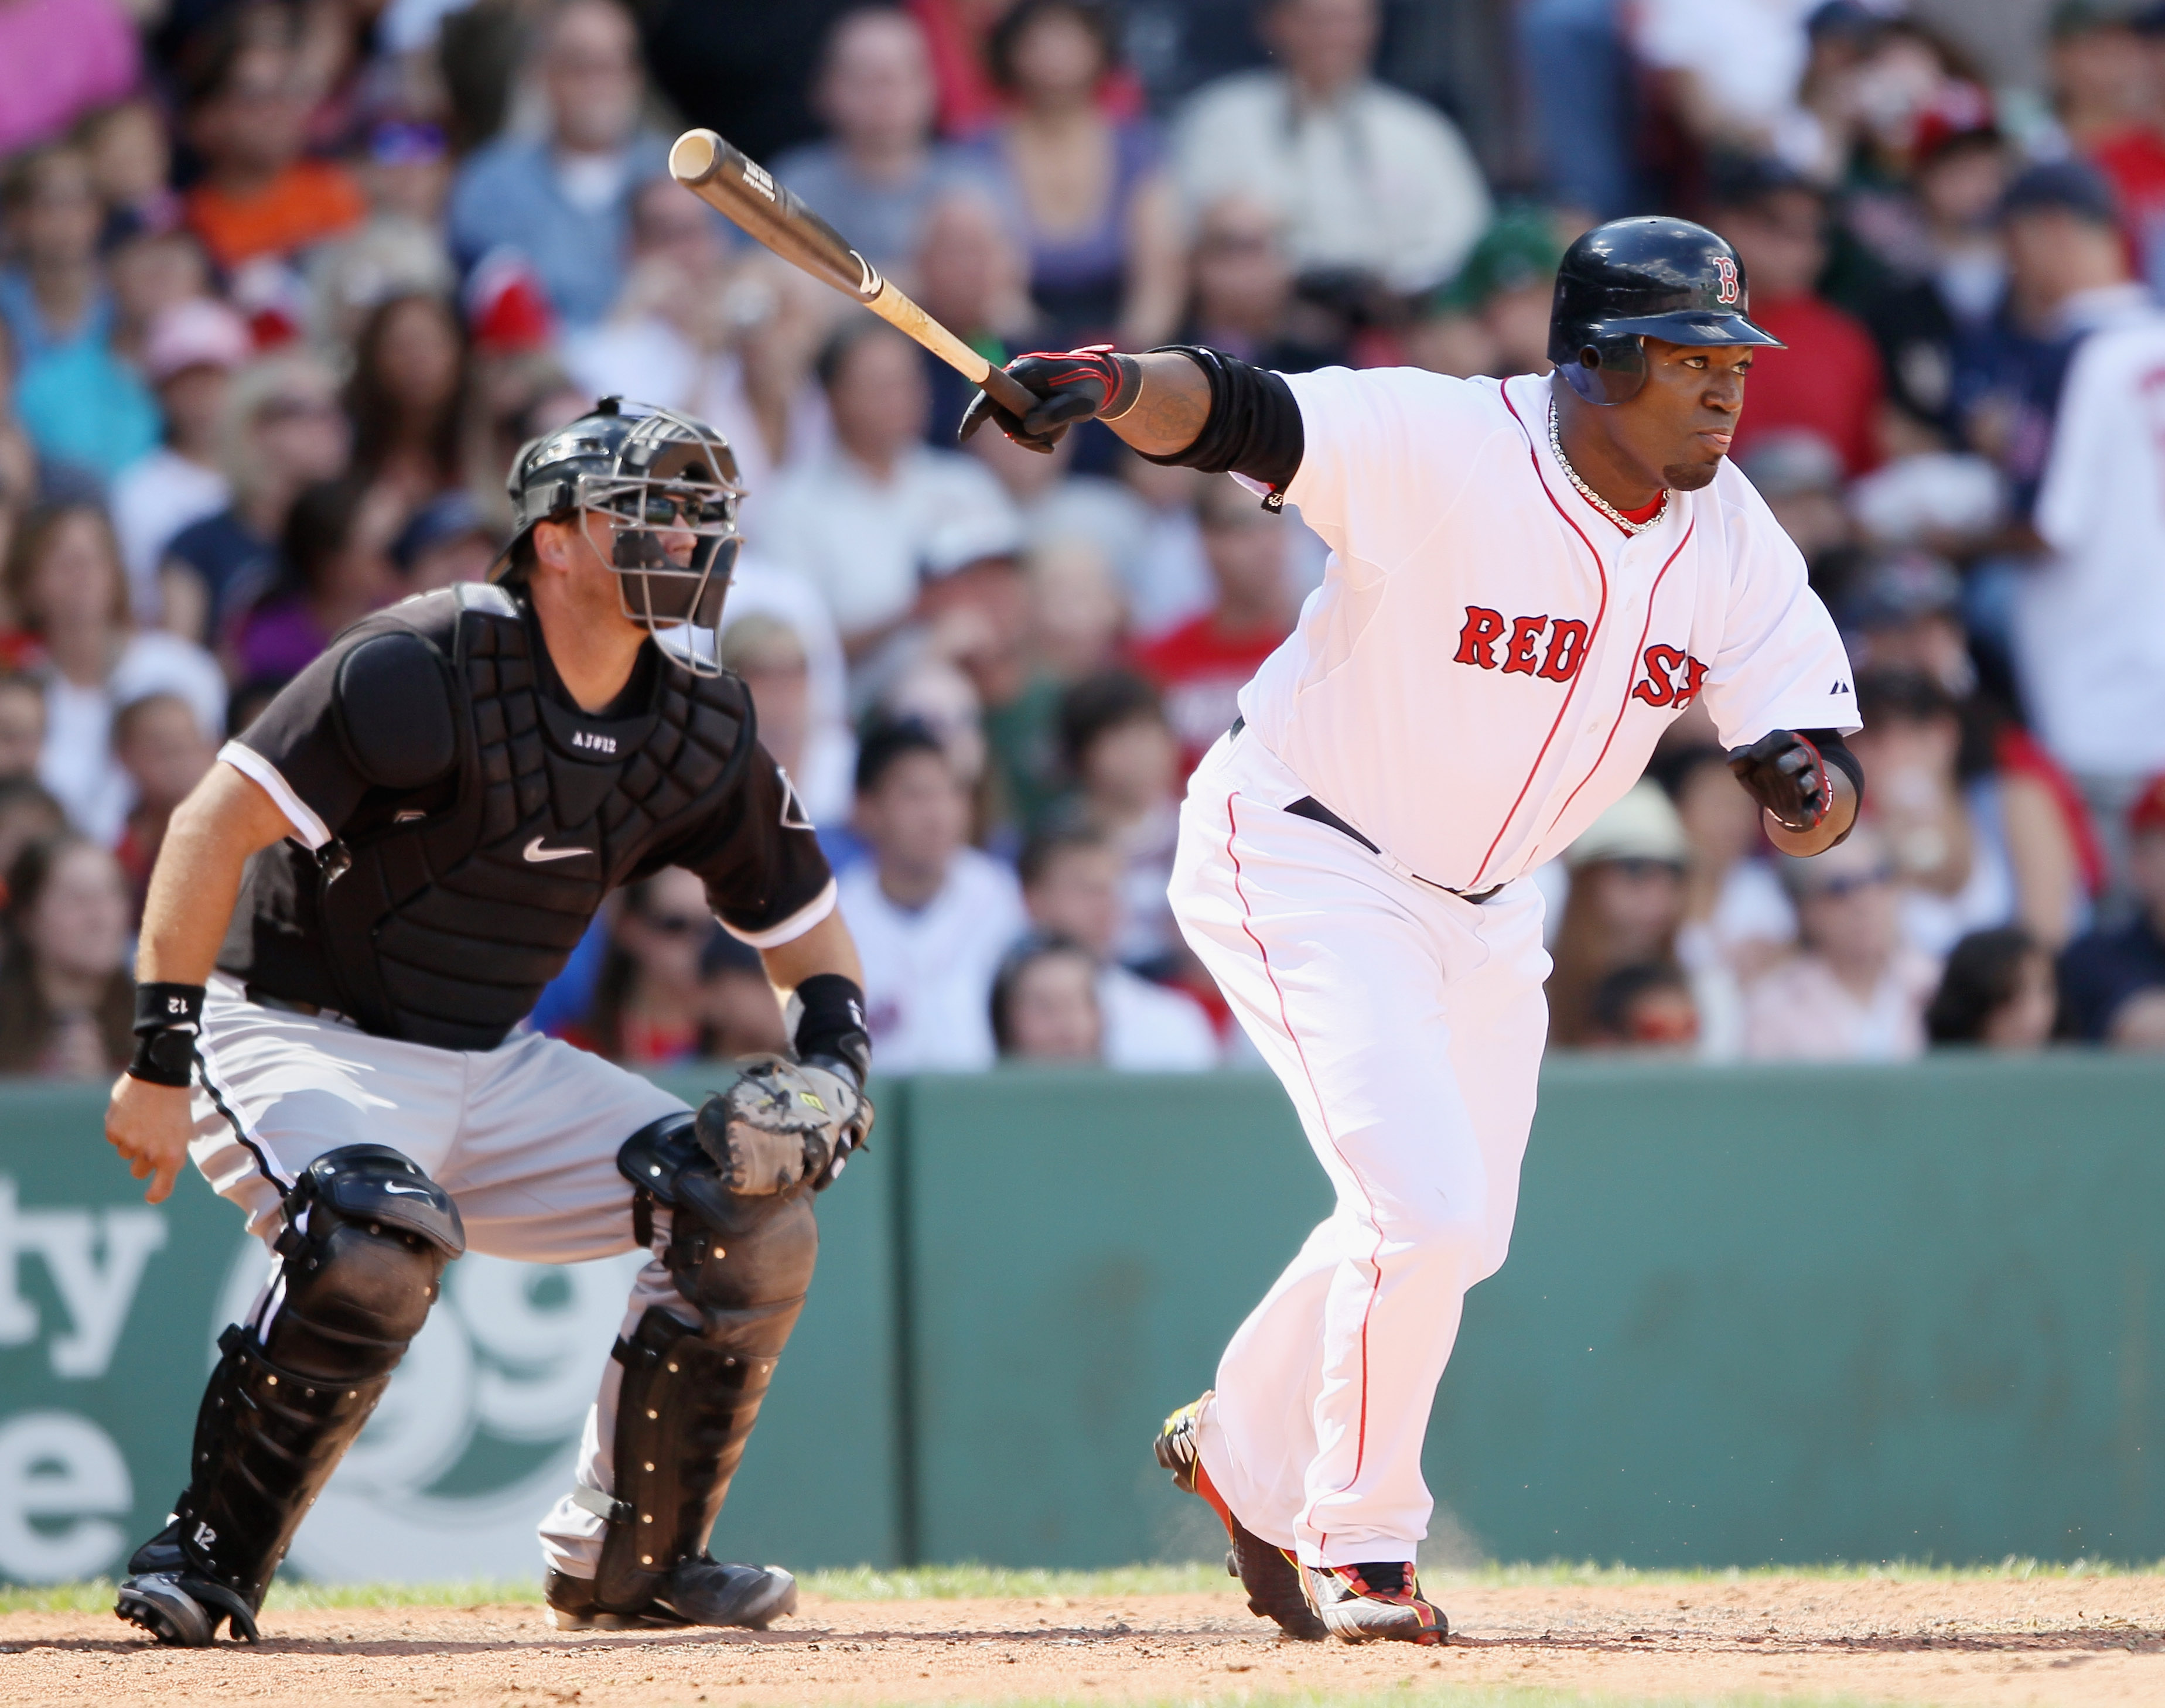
column 537, row 853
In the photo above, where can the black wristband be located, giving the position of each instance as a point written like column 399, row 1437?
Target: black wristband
column 168, row 1019
column 168, row 1007
column 1124, row 394
column 832, row 1026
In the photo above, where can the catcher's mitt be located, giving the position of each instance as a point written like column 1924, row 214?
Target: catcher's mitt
column 782, row 1123
column 1785, row 774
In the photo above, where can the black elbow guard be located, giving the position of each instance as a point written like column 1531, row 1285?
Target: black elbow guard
column 1254, row 428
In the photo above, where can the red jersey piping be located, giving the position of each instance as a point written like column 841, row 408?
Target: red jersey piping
column 1593, row 634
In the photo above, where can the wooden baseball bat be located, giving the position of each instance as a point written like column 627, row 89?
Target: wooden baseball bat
column 746, row 192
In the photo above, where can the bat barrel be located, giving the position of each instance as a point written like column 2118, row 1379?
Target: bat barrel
column 746, row 193
column 694, row 157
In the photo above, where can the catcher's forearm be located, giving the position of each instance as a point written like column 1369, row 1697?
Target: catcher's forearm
column 1170, row 408
column 827, row 947
column 1829, row 830
column 227, row 818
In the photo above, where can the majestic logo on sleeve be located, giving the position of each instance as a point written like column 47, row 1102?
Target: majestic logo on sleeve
column 1551, row 647
column 1672, row 679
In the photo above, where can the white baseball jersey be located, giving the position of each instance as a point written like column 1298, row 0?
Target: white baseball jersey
column 1490, row 661
column 1486, row 666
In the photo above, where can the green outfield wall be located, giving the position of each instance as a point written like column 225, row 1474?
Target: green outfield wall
column 1750, row 1314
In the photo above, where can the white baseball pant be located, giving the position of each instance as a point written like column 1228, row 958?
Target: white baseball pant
column 1406, row 1024
column 524, row 1137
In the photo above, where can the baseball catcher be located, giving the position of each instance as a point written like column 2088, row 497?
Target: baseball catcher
column 350, row 916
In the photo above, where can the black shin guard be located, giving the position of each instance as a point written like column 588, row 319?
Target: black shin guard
column 267, row 1441
column 366, row 1239
column 691, row 1393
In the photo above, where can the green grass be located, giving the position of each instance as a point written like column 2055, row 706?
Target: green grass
column 952, row 1583
column 2018, row 1569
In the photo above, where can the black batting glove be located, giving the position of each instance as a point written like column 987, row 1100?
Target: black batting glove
column 1074, row 386
column 1783, row 772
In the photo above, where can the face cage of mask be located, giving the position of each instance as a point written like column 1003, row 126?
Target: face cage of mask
column 640, row 559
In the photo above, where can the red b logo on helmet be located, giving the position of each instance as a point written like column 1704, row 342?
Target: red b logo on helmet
column 1724, row 273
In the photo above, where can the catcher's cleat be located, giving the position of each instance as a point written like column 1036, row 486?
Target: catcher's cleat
column 1266, row 1573
column 696, row 1591
column 182, row 1609
column 1367, row 1604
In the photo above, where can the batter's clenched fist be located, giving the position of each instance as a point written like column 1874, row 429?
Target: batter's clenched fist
column 1074, row 385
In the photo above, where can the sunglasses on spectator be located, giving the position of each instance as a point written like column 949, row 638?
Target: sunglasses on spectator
column 675, row 924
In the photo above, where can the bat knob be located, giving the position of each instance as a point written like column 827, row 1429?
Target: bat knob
column 693, row 157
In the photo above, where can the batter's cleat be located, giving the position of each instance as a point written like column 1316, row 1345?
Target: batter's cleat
column 182, row 1609
column 696, row 1591
column 1374, row 1603
column 1266, row 1573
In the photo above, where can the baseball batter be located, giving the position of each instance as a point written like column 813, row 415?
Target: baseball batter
column 1529, row 580
column 418, row 831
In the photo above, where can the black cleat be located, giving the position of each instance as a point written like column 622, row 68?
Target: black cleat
column 698, row 1591
column 1266, row 1572
column 182, row 1609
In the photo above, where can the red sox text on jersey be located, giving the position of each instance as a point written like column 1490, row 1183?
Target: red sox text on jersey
column 1553, row 647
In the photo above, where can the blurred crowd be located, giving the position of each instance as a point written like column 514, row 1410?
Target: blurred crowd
column 284, row 283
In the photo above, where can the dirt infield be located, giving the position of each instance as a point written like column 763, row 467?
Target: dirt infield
column 2074, row 1640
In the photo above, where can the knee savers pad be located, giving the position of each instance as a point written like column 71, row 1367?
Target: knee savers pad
column 739, row 1258
column 367, row 1236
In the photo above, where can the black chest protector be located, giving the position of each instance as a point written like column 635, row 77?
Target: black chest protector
column 442, row 911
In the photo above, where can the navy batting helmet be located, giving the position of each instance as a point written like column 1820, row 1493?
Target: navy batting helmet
column 1632, row 279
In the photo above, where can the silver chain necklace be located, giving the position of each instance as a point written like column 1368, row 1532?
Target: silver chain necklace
column 1594, row 499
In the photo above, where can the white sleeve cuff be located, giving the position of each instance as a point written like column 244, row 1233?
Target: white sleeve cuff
column 310, row 830
column 795, row 926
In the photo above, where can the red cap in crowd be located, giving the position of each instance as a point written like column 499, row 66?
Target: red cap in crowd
column 2148, row 812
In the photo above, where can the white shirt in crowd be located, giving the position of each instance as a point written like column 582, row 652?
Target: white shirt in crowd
column 928, row 972
column 77, row 762
column 1377, row 179
column 1799, row 1011
column 154, row 498
column 825, row 775
column 1478, row 612
column 646, row 359
column 1747, row 59
column 865, row 543
column 2089, row 632
column 1150, row 1028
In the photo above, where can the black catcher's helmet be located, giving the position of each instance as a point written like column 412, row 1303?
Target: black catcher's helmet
column 1631, row 279
column 659, row 477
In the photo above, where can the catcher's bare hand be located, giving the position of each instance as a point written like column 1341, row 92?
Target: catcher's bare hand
column 150, row 1125
column 1785, row 774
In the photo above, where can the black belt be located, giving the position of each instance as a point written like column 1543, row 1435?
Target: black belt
column 288, row 1004
column 1309, row 807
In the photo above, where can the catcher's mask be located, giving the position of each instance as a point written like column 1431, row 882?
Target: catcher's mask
column 667, row 486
